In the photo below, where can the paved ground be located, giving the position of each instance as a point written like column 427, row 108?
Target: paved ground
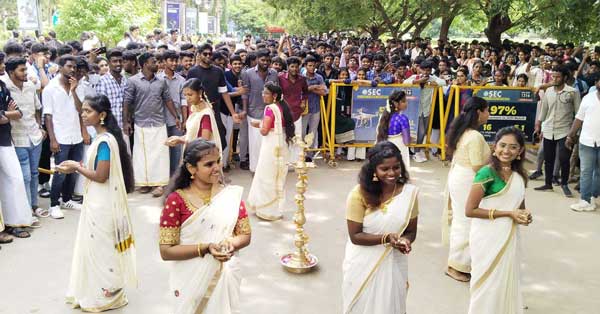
column 560, row 256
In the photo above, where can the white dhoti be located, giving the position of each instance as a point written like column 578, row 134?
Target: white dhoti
column 254, row 142
column 294, row 149
column 150, row 156
column 13, row 197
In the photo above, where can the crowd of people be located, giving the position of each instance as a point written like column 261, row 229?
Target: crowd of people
column 100, row 121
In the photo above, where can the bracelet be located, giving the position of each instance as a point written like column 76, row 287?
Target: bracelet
column 383, row 242
column 202, row 247
column 491, row 214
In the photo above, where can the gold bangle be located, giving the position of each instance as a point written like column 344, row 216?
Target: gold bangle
column 202, row 247
column 385, row 235
column 491, row 214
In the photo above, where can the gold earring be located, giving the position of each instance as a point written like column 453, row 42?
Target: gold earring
column 518, row 157
column 101, row 121
column 375, row 178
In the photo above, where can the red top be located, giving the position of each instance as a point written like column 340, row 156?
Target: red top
column 176, row 210
column 204, row 125
column 294, row 93
column 269, row 113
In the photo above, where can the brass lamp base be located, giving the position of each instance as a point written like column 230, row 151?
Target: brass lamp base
column 297, row 265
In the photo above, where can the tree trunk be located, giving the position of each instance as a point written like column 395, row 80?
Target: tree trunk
column 374, row 31
column 445, row 28
column 497, row 25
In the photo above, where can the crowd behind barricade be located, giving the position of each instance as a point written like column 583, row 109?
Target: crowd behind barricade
column 84, row 122
column 45, row 81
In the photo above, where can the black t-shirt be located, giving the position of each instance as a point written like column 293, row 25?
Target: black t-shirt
column 5, row 138
column 212, row 78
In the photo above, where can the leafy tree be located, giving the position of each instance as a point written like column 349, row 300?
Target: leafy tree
column 107, row 18
column 572, row 21
column 251, row 15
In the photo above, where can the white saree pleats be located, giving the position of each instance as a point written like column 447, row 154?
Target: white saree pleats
column 456, row 233
column 495, row 273
column 266, row 196
column 104, row 255
column 205, row 285
column 375, row 277
column 399, row 142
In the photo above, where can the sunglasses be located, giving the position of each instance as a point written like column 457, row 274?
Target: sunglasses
column 207, row 54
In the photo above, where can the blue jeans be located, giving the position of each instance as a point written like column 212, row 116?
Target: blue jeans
column 590, row 171
column 174, row 152
column 64, row 184
column 29, row 158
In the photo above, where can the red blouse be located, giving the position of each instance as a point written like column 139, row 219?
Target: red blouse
column 269, row 113
column 204, row 125
column 177, row 210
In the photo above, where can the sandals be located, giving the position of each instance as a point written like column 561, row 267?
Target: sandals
column 42, row 212
column 5, row 238
column 18, row 232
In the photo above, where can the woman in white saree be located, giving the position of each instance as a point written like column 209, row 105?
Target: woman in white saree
column 267, row 194
column 203, row 224
column 469, row 152
column 104, row 255
column 201, row 122
column 497, row 204
column 382, row 225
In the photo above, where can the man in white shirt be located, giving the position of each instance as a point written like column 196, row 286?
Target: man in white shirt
column 27, row 132
column 64, row 130
column 588, row 120
column 559, row 105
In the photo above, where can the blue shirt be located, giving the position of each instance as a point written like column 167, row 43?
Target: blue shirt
column 386, row 78
column 314, row 100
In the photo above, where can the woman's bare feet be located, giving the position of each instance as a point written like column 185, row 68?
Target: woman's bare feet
column 458, row 275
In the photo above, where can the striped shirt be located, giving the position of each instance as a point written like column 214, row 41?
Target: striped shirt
column 115, row 92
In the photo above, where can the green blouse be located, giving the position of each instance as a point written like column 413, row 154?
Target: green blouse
column 490, row 180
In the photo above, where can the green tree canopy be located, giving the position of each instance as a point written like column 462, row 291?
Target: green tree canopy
column 107, row 18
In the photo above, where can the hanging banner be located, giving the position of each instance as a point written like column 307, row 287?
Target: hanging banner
column 191, row 20
column 27, row 12
column 369, row 103
column 173, row 15
column 203, row 22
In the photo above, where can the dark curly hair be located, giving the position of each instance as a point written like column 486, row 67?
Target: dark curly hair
column 372, row 190
column 194, row 151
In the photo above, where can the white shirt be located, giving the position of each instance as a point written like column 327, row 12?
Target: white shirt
column 65, row 118
column 589, row 113
column 25, row 131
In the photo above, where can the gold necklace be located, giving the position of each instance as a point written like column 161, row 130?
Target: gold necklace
column 389, row 200
column 203, row 195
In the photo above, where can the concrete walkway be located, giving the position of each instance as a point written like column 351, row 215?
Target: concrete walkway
column 561, row 258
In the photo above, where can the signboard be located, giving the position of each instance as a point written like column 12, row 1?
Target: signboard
column 203, row 22
column 173, row 16
column 27, row 11
column 508, row 107
column 191, row 20
column 369, row 103
column 212, row 25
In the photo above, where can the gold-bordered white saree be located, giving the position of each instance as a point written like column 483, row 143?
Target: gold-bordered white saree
column 104, row 255
column 375, row 278
column 266, row 196
column 495, row 265
column 205, row 285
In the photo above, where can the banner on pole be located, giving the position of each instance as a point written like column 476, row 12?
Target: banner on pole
column 173, row 16
column 369, row 103
column 27, row 12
